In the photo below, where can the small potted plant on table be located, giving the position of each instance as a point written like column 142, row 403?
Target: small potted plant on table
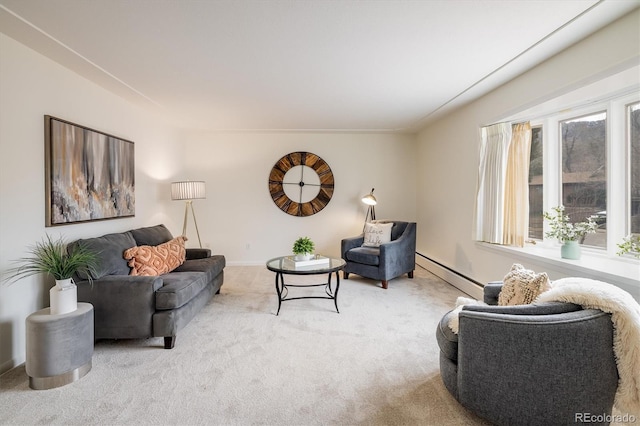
column 303, row 248
column 51, row 257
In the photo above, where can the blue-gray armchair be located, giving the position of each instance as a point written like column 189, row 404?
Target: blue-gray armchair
column 386, row 262
column 541, row 364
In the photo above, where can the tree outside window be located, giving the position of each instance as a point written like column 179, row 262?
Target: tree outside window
column 634, row 181
column 584, row 172
column 536, row 194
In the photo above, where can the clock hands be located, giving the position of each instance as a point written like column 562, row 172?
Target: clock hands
column 301, row 183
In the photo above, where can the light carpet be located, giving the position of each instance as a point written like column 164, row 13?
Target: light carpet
column 237, row 363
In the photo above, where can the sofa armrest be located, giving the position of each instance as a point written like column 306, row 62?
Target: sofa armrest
column 198, row 253
column 393, row 249
column 399, row 255
column 543, row 308
column 123, row 304
column 349, row 243
column 492, row 292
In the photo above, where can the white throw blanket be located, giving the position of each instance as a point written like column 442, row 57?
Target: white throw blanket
column 625, row 315
column 461, row 302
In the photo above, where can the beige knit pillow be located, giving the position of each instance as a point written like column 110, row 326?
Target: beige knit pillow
column 156, row 260
column 521, row 286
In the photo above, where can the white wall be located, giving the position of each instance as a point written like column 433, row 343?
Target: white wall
column 30, row 87
column 238, row 211
column 239, row 219
column 448, row 157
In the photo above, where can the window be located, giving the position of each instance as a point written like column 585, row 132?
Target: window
column 584, row 172
column 633, row 120
column 585, row 155
column 535, row 185
column 588, row 160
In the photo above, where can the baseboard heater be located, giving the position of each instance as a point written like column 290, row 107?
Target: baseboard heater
column 463, row 283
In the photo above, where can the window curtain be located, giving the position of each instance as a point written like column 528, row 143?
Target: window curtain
column 516, row 203
column 502, row 197
column 492, row 171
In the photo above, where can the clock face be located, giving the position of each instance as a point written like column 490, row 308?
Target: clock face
column 301, row 184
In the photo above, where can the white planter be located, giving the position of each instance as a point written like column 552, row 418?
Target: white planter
column 63, row 297
column 306, row 256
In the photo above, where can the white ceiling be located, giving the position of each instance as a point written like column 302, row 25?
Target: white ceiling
column 373, row 65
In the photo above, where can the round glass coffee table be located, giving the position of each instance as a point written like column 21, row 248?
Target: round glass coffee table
column 285, row 265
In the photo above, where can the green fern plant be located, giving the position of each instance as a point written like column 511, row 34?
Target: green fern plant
column 303, row 245
column 50, row 256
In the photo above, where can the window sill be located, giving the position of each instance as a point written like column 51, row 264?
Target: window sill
column 622, row 271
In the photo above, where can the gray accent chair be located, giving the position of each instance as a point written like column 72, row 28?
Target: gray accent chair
column 134, row 307
column 382, row 263
column 538, row 364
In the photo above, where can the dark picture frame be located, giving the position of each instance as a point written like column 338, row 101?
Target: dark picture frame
column 89, row 175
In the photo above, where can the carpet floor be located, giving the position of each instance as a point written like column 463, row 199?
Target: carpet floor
column 237, row 363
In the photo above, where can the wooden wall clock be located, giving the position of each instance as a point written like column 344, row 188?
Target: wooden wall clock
column 301, row 184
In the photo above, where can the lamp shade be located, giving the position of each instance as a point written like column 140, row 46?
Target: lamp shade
column 369, row 199
column 187, row 190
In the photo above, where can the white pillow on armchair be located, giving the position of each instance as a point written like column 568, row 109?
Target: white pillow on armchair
column 376, row 234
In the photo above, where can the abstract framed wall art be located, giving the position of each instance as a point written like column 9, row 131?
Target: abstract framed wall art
column 89, row 175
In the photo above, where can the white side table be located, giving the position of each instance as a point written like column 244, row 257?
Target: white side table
column 59, row 347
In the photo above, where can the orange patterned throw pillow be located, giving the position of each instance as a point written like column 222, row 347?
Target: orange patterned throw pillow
column 156, row 260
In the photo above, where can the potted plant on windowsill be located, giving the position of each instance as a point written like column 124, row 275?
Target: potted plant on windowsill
column 570, row 235
column 303, row 248
column 630, row 244
column 51, row 257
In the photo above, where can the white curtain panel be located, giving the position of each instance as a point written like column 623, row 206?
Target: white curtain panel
column 492, row 171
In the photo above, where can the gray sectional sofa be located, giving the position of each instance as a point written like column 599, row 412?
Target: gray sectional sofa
column 128, row 306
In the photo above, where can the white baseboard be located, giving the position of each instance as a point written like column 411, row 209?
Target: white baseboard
column 246, row 263
column 460, row 282
column 6, row 366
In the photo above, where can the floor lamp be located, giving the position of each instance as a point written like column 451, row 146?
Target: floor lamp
column 371, row 201
column 188, row 191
